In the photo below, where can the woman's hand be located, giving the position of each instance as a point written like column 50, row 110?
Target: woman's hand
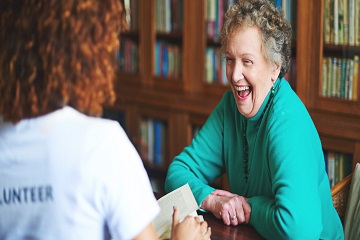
column 190, row 228
column 231, row 208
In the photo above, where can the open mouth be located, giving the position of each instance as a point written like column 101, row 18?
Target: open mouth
column 243, row 91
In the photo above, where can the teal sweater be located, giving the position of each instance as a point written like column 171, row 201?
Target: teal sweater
column 288, row 187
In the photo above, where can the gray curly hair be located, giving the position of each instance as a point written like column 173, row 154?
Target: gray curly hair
column 275, row 29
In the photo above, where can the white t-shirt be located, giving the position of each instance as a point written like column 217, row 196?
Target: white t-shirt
column 69, row 176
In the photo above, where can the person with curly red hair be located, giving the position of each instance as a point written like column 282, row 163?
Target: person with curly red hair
column 66, row 174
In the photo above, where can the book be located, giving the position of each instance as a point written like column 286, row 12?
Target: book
column 326, row 21
column 336, row 21
column 331, row 168
column 159, row 142
column 184, row 200
column 341, row 13
column 151, row 140
column 357, row 23
column 144, row 139
column 325, row 77
column 355, row 78
column 352, row 22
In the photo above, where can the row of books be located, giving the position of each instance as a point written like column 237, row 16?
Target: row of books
column 169, row 16
column 341, row 78
column 338, row 166
column 167, row 60
column 128, row 56
column 153, row 139
column 132, row 13
column 215, row 10
column 342, row 22
column 215, row 66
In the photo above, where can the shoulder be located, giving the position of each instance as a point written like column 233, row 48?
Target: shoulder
column 287, row 105
column 88, row 126
column 288, row 116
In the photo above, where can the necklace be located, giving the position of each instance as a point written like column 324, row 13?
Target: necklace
column 246, row 146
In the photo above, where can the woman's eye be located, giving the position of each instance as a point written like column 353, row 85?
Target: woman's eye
column 229, row 60
column 247, row 62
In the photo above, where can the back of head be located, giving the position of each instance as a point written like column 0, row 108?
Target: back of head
column 55, row 53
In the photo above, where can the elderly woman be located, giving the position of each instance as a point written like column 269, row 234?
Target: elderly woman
column 262, row 136
column 66, row 174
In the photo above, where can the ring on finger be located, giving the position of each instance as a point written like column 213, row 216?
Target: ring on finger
column 233, row 217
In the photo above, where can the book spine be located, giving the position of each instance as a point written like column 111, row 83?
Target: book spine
column 341, row 14
column 167, row 16
column 325, row 77
column 343, row 79
column 278, row 3
column 331, row 168
column 151, row 140
column 351, row 78
column 347, row 81
column 331, row 77
column 336, row 22
column 165, row 61
column 326, row 21
column 144, row 140
column 334, row 77
column 337, row 168
column 357, row 77
column 158, row 142
column 357, row 23
column 351, row 22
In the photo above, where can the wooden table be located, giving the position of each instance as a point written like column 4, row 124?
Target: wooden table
column 219, row 231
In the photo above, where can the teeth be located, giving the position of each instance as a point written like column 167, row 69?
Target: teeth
column 242, row 88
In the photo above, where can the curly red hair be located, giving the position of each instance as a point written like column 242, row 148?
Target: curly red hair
column 55, row 53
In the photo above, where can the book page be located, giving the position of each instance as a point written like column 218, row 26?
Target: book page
column 184, row 200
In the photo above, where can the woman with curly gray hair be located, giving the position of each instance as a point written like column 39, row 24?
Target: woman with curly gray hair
column 262, row 136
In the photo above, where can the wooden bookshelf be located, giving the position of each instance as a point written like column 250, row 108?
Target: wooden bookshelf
column 187, row 100
column 180, row 101
column 337, row 120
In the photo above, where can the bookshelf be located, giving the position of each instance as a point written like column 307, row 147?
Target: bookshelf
column 336, row 115
column 184, row 100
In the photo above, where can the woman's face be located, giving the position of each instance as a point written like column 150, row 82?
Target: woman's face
column 249, row 73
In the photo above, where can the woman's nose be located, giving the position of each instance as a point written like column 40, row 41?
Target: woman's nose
column 237, row 73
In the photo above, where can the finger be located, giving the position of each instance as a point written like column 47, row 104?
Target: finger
column 175, row 217
column 233, row 219
column 226, row 218
column 240, row 213
column 203, row 227
column 207, row 234
column 247, row 212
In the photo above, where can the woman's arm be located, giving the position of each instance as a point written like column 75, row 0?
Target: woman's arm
column 200, row 163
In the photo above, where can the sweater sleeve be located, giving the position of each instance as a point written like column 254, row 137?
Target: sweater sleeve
column 200, row 163
column 294, row 210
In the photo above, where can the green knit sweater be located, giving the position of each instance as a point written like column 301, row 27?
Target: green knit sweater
column 287, row 185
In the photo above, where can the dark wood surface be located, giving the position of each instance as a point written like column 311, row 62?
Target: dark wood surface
column 219, row 231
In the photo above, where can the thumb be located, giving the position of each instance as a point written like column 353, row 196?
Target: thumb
column 219, row 192
column 175, row 217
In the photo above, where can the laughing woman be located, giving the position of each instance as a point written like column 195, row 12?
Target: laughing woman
column 262, row 136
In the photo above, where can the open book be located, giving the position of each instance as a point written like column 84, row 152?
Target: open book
column 184, row 200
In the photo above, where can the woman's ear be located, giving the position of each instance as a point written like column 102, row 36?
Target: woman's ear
column 275, row 72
